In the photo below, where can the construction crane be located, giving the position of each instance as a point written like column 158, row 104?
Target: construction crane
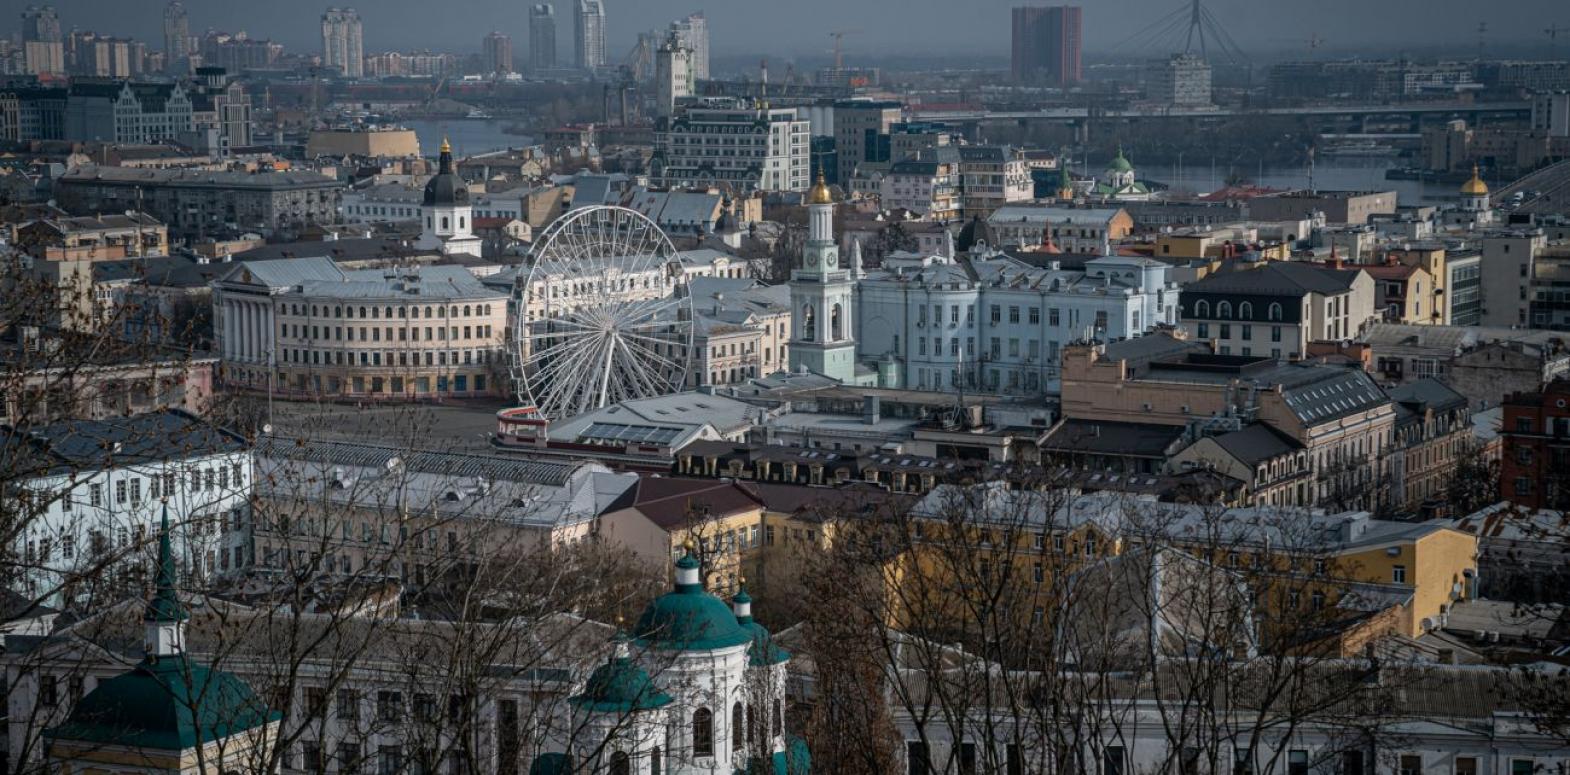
column 1553, row 32
column 838, row 36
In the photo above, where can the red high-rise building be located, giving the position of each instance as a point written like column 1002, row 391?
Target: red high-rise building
column 1534, row 468
column 1046, row 44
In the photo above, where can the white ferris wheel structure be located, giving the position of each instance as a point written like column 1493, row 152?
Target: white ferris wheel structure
column 604, row 314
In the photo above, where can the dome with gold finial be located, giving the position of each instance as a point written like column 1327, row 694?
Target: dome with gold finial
column 820, row 193
column 1475, row 186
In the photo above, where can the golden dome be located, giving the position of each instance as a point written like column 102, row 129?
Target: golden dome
column 1475, row 186
column 446, row 146
column 820, row 193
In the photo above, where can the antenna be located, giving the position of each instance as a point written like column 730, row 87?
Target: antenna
column 1482, row 32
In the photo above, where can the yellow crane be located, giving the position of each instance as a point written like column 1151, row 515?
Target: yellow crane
column 838, row 36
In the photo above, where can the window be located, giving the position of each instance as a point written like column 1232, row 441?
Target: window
column 348, row 757
column 1352, row 763
column 737, row 728
column 702, row 732
column 389, row 705
column 1204, row 331
column 1297, row 762
column 315, row 701
column 348, row 704
column 620, row 765
column 917, row 759
column 1466, row 765
column 1398, row 574
column 1112, row 760
column 1410, row 765
column 1522, row 767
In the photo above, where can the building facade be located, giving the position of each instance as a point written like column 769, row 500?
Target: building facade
column 1535, row 458
column 100, row 487
column 496, row 49
column 343, row 42
column 1046, row 45
column 589, row 34
column 1276, row 310
column 194, row 204
column 304, row 327
column 542, row 37
column 743, row 146
column 995, row 324
column 127, row 112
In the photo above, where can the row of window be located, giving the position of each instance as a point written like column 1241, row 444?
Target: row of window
column 1245, row 332
column 128, row 488
column 378, row 358
column 375, row 313
column 1245, row 310
column 376, row 333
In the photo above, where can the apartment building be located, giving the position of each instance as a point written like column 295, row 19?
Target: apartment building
column 1278, row 308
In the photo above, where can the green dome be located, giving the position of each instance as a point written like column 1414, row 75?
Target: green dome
column 619, row 686
column 1120, row 164
column 170, row 704
column 689, row 619
column 763, row 651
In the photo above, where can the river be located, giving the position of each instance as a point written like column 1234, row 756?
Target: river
column 468, row 136
column 1345, row 173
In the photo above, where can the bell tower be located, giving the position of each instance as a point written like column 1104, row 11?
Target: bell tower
column 821, row 294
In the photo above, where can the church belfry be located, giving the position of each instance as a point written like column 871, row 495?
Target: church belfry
column 822, row 295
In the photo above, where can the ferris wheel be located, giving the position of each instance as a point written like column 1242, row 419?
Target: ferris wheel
column 604, row 314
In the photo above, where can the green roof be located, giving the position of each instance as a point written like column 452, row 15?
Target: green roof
column 619, row 686
column 689, row 619
column 170, row 704
column 1119, row 163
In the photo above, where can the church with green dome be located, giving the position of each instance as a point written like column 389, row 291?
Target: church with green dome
column 1118, row 182
column 169, row 713
column 696, row 688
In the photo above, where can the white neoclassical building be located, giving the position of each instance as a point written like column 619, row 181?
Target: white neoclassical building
column 304, row 326
column 96, row 496
column 996, row 324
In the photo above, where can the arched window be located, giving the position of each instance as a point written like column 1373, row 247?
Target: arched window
column 620, row 764
column 466, row 309
column 1201, row 309
column 736, row 730
column 1245, row 311
column 362, row 312
column 835, row 324
column 778, row 726
column 703, row 732
column 444, row 223
column 654, row 761
column 1275, row 311
column 1223, row 309
column 808, row 324
column 461, row 221
column 752, row 720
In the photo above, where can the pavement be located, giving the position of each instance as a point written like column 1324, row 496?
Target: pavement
column 454, row 426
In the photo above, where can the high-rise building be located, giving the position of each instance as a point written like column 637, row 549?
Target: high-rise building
column 590, row 34
column 498, row 53
column 861, row 134
column 177, row 34
column 43, row 47
column 1183, row 80
column 343, row 46
column 694, row 34
column 542, row 36
column 1046, row 44
column 673, row 75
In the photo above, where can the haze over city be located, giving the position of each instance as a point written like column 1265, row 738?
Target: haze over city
column 889, row 27
column 835, row 387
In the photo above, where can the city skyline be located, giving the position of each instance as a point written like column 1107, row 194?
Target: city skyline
column 799, row 30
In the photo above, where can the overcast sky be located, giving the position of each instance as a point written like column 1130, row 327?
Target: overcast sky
column 799, row 27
